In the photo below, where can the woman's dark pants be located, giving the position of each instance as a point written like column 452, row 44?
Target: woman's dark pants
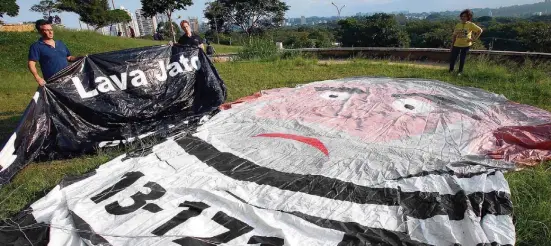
column 462, row 53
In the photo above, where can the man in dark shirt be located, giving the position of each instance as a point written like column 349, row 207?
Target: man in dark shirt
column 52, row 55
column 189, row 38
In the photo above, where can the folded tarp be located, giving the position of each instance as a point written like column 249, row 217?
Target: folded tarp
column 113, row 98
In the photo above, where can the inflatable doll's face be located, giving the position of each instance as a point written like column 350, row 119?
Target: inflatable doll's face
column 374, row 113
column 384, row 111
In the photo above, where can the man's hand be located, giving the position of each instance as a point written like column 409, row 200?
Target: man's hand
column 40, row 81
column 72, row 59
column 34, row 72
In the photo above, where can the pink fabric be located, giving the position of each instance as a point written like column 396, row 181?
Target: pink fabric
column 527, row 145
column 227, row 106
column 371, row 113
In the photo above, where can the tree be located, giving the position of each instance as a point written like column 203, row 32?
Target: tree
column 46, row 7
column 430, row 34
column 118, row 16
column 437, row 38
column 536, row 36
column 379, row 30
column 435, row 17
column 322, row 39
column 164, row 29
column 9, row 8
column 151, row 8
column 484, row 19
column 253, row 15
column 215, row 13
column 544, row 18
column 401, row 18
column 500, row 36
column 95, row 12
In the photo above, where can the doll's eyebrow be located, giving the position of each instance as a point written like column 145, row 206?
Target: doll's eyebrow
column 460, row 106
column 341, row 89
column 434, row 98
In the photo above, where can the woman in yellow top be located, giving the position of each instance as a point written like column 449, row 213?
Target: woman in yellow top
column 464, row 35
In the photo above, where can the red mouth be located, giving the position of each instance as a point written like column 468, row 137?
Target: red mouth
column 525, row 145
column 310, row 141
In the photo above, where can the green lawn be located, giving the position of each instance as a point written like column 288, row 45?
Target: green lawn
column 531, row 188
column 225, row 49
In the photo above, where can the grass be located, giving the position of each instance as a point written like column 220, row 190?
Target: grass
column 528, row 84
column 225, row 49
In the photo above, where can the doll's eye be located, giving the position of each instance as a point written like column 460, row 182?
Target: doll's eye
column 336, row 96
column 414, row 106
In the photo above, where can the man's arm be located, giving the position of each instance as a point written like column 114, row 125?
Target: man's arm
column 70, row 58
column 34, row 72
column 34, row 55
column 201, row 43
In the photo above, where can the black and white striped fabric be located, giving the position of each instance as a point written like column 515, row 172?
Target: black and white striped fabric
column 187, row 192
column 247, row 178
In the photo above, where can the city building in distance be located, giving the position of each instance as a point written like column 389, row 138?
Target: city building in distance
column 146, row 25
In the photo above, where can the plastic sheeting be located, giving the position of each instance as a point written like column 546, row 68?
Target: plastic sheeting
column 362, row 161
column 112, row 98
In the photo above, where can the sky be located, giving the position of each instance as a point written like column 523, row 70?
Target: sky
column 297, row 8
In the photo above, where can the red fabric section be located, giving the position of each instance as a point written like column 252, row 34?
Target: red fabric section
column 229, row 105
column 310, row 141
column 526, row 145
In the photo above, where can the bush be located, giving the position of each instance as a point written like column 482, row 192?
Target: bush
column 234, row 38
column 379, row 30
column 478, row 45
column 148, row 37
column 296, row 42
column 430, row 34
column 537, row 37
column 258, row 49
column 302, row 37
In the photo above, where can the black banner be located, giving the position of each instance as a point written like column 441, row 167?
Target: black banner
column 114, row 98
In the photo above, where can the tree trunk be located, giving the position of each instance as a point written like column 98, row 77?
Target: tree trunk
column 250, row 35
column 169, row 14
column 217, row 33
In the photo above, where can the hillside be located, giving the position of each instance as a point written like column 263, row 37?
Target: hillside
column 525, row 10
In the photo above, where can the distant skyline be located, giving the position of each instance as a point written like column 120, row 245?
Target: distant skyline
column 297, row 8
